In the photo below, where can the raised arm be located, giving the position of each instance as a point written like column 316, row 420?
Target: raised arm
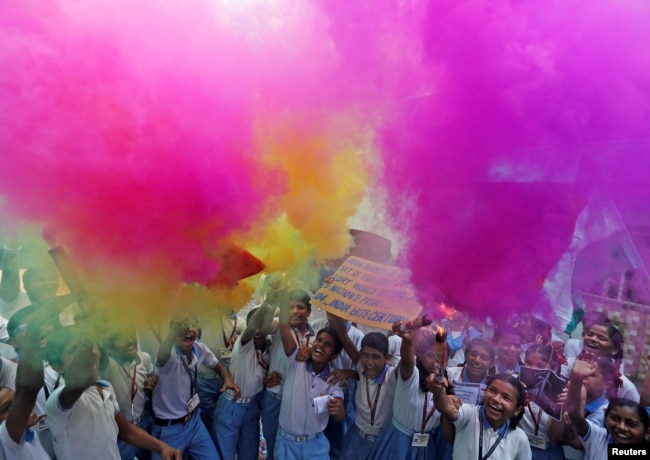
column 261, row 319
column 440, row 400
column 288, row 342
column 165, row 351
column 407, row 362
column 338, row 324
column 29, row 380
column 576, row 395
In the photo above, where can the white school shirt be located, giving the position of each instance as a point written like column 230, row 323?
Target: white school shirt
column 301, row 386
column 384, row 383
column 174, row 388
column 25, row 450
column 279, row 362
column 394, row 349
column 595, row 442
column 534, row 423
column 409, row 403
column 513, row 446
column 88, row 429
column 8, row 373
column 248, row 367
column 127, row 384
column 213, row 330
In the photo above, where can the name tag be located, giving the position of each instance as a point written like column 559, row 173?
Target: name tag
column 537, row 441
column 42, row 423
column 193, row 402
column 226, row 353
column 420, row 440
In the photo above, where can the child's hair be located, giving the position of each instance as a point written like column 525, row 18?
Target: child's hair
column 426, row 343
column 36, row 270
column 617, row 341
column 338, row 345
column 638, row 408
column 300, row 296
column 504, row 330
column 521, row 395
column 480, row 342
column 593, row 317
column 610, row 374
column 549, row 354
column 376, row 340
column 30, row 315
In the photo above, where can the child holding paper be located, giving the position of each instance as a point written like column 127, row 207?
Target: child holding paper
column 308, row 399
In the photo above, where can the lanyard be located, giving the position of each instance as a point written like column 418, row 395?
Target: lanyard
column 264, row 365
column 425, row 417
column 192, row 379
column 373, row 406
column 134, row 385
column 56, row 385
column 228, row 341
column 536, row 420
column 298, row 338
column 480, row 438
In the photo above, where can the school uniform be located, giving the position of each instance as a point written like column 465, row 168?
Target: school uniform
column 272, row 396
column 29, row 447
column 128, row 382
column 394, row 347
column 595, row 414
column 218, row 334
column 413, row 413
column 595, row 442
column 300, row 432
column 177, row 421
column 374, row 402
column 8, row 373
column 52, row 381
column 627, row 391
column 474, row 433
column 237, row 423
column 88, row 429
column 534, row 423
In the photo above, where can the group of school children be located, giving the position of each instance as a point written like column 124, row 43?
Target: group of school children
column 74, row 391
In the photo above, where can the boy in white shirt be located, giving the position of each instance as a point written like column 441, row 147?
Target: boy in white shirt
column 83, row 416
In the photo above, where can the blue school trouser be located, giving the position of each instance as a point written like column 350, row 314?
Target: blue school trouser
column 288, row 447
column 237, row 427
column 357, row 445
column 271, row 403
column 209, row 390
column 129, row 452
column 191, row 438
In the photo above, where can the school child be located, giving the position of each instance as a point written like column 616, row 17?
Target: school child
column 299, row 304
column 507, row 342
column 601, row 385
column 479, row 360
column 48, row 324
column 410, row 434
column 535, row 421
column 336, row 431
column 573, row 347
column 308, row 399
column 375, row 392
column 490, row 430
column 459, row 332
column 17, row 440
column 605, row 338
column 626, row 422
column 129, row 371
column 237, row 423
column 394, row 345
column 218, row 331
column 175, row 400
column 83, row 415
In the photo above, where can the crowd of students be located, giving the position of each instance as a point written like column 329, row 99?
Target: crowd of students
column 317, row 390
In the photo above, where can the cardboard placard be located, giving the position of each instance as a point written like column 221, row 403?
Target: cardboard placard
column 369, row 293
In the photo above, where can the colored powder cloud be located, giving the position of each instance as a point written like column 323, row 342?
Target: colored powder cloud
column 485, row 164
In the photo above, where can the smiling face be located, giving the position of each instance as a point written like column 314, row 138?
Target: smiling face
column 501, row 403
column 187, row 331
column 478, row 361
column 323, row 348
column 298, row 314
column 509, row 349
column 373, row 361
column 624, row 425
column 42, row 286
column 597, row 339
column 124, row 348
